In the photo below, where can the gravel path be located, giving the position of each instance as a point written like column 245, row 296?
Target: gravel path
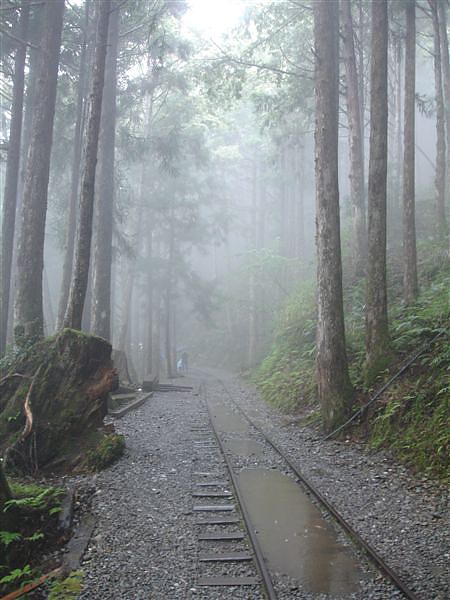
column 145, row 542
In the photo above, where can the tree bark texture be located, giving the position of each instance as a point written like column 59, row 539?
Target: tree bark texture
column 443, row 9
column 35, row 34
column 398, row 122
column 78, row 285
column 12, row 175
column 377, row 333
column 101, row 289
column 334, row 387
column 441, row 218
column 361, row 82
column 30, row 255
column 359, row 234
column 75, row 176
column 410, row 286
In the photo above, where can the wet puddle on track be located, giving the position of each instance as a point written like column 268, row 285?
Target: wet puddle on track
column 294, row 537
column 245, row 447
column 227, row 420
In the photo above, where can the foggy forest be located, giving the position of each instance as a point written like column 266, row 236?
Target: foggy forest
column 210, row 202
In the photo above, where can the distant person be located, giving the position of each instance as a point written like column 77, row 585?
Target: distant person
column 184, row 361
column 179, row 364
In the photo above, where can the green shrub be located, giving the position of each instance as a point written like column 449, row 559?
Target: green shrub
column 286, row 378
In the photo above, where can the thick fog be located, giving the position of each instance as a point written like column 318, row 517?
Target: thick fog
column 214, row 201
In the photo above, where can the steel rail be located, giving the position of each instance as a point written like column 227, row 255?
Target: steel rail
column 370, row 552
column 260, row 561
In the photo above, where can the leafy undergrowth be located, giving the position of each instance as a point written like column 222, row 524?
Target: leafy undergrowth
column 414, row 421
column 286, row 377
column 68, row 588
column 412, row 418
column 29, row 524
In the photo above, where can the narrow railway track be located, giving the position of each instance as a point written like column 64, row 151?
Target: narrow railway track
column 265, row 577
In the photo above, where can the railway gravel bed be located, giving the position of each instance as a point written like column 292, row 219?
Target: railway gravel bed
column 145, row 541
column 407, row 520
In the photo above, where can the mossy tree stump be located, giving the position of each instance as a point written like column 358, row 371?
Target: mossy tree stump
column 53, row 400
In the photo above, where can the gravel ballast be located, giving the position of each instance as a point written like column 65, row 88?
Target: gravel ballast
column 145, row 541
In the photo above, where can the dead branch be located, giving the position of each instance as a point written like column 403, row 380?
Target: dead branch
column 33, row 585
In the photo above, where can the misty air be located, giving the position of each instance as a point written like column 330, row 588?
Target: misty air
column 224, row 299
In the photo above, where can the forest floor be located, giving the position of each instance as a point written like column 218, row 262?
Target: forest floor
column 144, row 544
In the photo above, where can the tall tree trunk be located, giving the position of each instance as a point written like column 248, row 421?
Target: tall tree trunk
column 252, row 300
column 361, row 82
column 398, row 122
column 30, row 256
column 174, row 342
column 167, row 332
column 78, row 285
column 127, row 297
column 35, row 35
column 101, row 288
column 75, row 175
column 441, row 218
column 129, row 286
column 260, row 245
column 284, row 221
column 168, row 297
column 410, row 287
column 359, row 234
column 300, row 217
column 334, row 387
column 377, row 333
column 148, row 368
column 49, row 315
column 156, row 353
column 12, row 175
column 443, row 9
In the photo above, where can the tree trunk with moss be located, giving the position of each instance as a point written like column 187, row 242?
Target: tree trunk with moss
column 334, row 387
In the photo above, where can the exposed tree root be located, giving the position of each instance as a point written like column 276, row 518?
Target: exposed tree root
column 27, row 409
column 2, row 381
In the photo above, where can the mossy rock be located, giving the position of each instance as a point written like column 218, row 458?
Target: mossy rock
column 72, row 375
